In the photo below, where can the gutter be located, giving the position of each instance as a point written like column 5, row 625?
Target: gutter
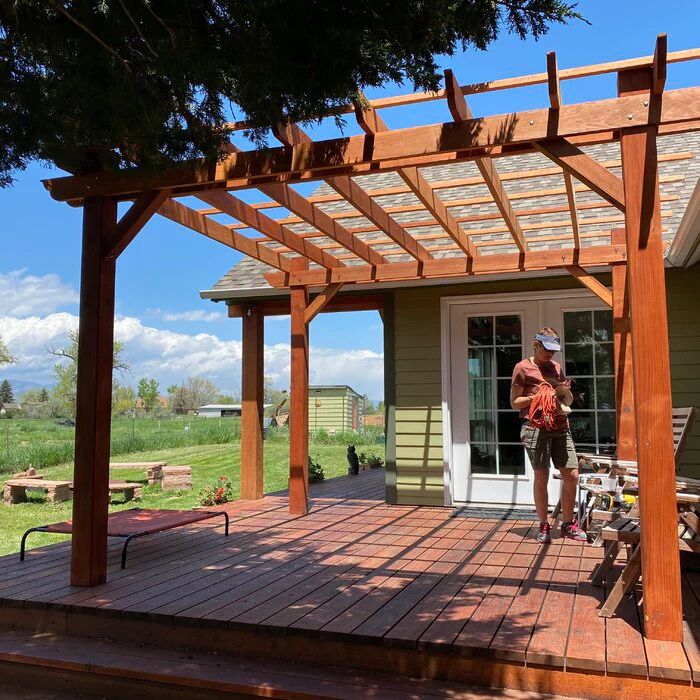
column 685, row 248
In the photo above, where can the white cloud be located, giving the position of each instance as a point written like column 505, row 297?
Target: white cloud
column 22, row 294
column 173, row 356
column 194, row 315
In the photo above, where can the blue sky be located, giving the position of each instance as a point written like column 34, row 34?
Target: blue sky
column 171, row 333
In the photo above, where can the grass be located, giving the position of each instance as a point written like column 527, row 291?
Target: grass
column 208, row 462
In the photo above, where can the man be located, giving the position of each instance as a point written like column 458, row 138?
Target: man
column 545, row 446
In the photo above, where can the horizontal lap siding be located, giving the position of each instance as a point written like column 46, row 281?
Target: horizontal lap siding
column 331, row 413
column 683, row 296
column 417, row 372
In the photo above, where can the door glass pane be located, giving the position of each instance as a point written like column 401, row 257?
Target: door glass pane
column 589, row 364
column 483, row 459
column 511, row 459
column 481, row 330
column 494, row 348
column 508, row 330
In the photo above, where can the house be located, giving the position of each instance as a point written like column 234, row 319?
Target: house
column 334, row 407
column 219, row 410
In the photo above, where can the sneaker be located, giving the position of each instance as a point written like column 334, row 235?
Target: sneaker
column 573, row 532
column 545, row 534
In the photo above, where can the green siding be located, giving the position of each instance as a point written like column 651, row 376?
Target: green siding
column 417, row 373
column 335, row 411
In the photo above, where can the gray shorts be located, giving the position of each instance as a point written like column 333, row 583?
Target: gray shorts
column 545, row 446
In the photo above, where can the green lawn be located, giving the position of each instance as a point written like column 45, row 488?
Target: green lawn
column 208, row 462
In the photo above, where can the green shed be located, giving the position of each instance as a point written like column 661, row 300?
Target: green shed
column 334, row 407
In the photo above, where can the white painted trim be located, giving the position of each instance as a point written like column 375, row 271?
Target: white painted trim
column 446, row 305
column 685, row 247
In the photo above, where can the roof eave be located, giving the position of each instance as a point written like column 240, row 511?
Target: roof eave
column 685, row 247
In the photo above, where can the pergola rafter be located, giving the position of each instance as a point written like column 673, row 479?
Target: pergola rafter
column 315, row 260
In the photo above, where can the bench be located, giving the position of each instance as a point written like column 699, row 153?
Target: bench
column 133, row 523
column 15, row 490
column 129, row 491
column 153, row 469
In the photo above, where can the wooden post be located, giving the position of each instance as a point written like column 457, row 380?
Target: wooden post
column 299, row 405
column 652, row 374
column 624, row 379
column 93, row 396
column 252, row 408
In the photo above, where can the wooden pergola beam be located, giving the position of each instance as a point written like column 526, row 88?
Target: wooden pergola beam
column 462, row 113
column 584, row 168
column 280, row 307
column 181, row 214
column 133, row 221
column 553, row 86
column 659, row 64
column 587, row 280
column 573, row 210
column 454, row 267
column 680, row 110
column 238, row 209
column 321, row 300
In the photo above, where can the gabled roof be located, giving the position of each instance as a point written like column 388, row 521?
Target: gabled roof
column 531, row 181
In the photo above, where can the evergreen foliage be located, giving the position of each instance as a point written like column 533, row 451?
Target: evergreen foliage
column 90, row 85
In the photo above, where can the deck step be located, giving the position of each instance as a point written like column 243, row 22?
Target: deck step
column 117, row 670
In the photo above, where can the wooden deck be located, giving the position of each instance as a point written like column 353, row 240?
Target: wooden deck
column 413, row 590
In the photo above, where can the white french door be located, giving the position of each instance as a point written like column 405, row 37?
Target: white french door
column 483, row 339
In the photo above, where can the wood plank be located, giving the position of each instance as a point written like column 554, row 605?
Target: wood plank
column 553, row 81
column 238, row 209
column 652, row 379
column 626, row 654
column 624, row 373
column 587, row 280
column 548, row 643
column 586, row 646
column 355, row 154
column 658, row 66
column 691, row 629
column 581, row 166
column 299, row 404
column 458, row 267
column 321, row 300
column 573, row 211
column 181, row 214
column 93, row 396
column 252, row 374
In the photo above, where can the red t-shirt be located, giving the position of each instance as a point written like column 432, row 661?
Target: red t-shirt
column 529, row 376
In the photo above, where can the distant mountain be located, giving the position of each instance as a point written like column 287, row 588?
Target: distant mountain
column 20, row 386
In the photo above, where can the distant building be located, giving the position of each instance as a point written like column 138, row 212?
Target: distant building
column 334, row 407
column 219, row 410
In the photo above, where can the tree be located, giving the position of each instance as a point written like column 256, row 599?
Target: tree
column 103, row 84
column 201, row 392
column 66, row 373
column 6, row 393
column 6, row 357
column 123, row 399
column 148, row 392
column 368, row 408
column 270, row 394
column 43, row 395
column 179, row 398
column 226, row 399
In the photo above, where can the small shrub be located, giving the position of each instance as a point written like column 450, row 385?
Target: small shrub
column 316, row 474
column 217, row 493
column 375, row 462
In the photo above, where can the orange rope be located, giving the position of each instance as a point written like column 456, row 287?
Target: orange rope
column 544, row 408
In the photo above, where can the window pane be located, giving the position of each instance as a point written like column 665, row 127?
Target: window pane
column 605, row 388
column 480, row 395
column 480, row 362
column 604, row 358
column 606, row 427
column 577, row 326
column 582, row 389
column 602, row 326
column 508, row 331
column 511, row 459
column 579, row 360
column 482, row 428
column 509, row 427
column 582, row 427
column 480, row 330
column 503, row 387
column 506, row 359
column 483, row 459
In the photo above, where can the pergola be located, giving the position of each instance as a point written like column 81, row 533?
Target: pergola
column 312, row 249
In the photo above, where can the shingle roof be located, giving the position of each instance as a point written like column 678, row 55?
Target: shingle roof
column 679, row 170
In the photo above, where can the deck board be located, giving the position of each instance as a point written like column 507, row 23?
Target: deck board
column 358, row 570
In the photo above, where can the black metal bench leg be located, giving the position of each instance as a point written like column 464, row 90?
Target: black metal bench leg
column 226, row 518
column 126, row 544
column 24, row 540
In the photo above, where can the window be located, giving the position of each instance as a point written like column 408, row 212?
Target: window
column 589, row 363
column 495, row 347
